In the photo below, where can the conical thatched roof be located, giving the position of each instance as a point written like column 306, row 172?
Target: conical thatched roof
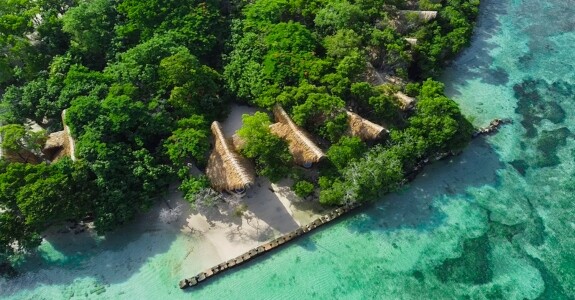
column 57, row 145
column 227, row 170
column 406, row 101
column 60, row 144
column 364, row 129
column 301, row 147
column 423, row 15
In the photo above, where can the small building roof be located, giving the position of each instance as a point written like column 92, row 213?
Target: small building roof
column 227, row 170
column 423, row 15
column 301, row 146
column 406, row 101
column 364, row 129
column 57, row 145
column 411, row 41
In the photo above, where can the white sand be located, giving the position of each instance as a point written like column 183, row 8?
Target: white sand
column 268, row 215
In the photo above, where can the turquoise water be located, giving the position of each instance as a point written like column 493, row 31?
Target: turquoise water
column 496, row 222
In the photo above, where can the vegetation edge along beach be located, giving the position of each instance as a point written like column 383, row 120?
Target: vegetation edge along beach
column 345, row 91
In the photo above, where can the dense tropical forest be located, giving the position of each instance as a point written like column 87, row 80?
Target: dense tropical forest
column 141, row 81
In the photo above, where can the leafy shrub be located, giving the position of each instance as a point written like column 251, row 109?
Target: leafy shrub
column 303, row 188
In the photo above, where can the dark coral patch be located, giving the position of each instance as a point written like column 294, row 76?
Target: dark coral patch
column 548, row 145
column 471, row 267
column 539, row 101
column 520, row 165
column 496, row 76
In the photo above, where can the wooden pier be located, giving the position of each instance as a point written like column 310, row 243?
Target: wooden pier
column 269, row 246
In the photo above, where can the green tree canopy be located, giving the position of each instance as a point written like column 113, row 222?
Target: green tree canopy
column 269, row 151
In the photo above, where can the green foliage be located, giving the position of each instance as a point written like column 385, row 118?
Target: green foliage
column 20, row 140
column 343, row 43
column 338, row 15
column 323, row 114
column 269, row 151
column 377, row 173
column 290, row 53
column 91, row 25
column 192, row 186
column 303, row 188
column 189, row 142
column 195, row 88
column 197, row 25
column 34, row 196
column 385, row 108
column 436, row 127
column 345, row 151
column 412, row 89
column 332, row 192
column 445, row 37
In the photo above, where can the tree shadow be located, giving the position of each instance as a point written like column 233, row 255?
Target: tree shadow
column 110, row 259
column 265, row 205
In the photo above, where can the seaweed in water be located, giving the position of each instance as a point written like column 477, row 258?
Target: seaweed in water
column 471, row 267
column 520, row 165
column 548, row 145
column 534, row 108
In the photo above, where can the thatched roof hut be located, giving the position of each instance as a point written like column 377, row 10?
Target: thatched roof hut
column 60, row 144
column 71, row 142
column 302, row 148
column 423, row 15
column 406, row 101
column 227, row 170
column 364, row 129
column 57, row 146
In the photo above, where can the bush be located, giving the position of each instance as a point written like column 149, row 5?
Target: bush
column 192, row 186
column 303, row 188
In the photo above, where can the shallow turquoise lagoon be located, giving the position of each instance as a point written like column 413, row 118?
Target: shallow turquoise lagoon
column 497, row 222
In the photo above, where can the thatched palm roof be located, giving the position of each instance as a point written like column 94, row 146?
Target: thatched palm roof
column 71, row 142
column 238, row 142
column 227, row 170
column 301, row 146
column 423, row 15
column 406, row 101
column 60, row 144
column 364, row 129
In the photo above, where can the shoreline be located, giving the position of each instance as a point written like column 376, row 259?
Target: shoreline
column 334, row 214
